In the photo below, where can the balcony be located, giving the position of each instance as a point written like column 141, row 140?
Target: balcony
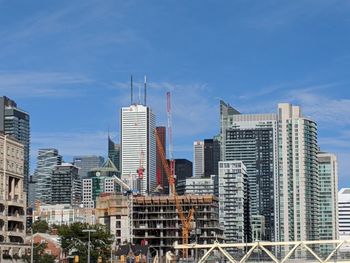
column 15, row 201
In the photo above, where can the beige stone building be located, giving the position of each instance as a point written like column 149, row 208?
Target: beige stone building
column 12, row 195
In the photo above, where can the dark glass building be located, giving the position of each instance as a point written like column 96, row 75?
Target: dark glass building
column 211, row 157
column 114, row 153
column 15, row 122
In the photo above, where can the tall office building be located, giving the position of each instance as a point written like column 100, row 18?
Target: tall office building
column 198, row 158
column 86, row 163
column 13, row 198
column 47, row 160
column 183, row 169
column 65, row 185
column 328, row 198
column 344, row 212
column 162, row 179
column 114, row 153
column 211, row 156
column 15, row 122
column 298, row 173
column 234, row 201
column 252, row 138
column 138, row 144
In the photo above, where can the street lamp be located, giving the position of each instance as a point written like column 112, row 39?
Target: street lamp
column 89, row 231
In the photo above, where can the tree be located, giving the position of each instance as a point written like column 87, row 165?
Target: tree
column 39, row 255
column 75, row 242
column 40, row 226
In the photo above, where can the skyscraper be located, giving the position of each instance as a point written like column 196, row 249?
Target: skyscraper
column 46, row 162
column 138, row 145
column 162, row 179
column 298, row 174
column 252, row 138
column 114, row 152
column 198, row 158
column 234, row 201
column 211, row 157
column 65, row 185
column 86, row 163
column 328, row 176
column 15, row 122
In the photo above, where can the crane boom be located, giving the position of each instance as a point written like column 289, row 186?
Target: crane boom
column 186, row 221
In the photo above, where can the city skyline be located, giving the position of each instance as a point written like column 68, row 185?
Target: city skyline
column 80, row 77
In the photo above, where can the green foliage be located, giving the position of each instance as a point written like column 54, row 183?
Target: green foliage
column 39, row 255
column 75, row 242
column 40, row 226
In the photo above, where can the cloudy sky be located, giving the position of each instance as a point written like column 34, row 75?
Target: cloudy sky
column 68, row 63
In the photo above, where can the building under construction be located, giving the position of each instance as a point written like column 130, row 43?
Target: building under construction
column 156, row 221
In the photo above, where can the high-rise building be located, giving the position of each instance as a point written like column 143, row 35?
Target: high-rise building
column 198, row 186
column 234, row 201
column 252, row 138
column 298, row 173
column 114, row 152
column 183, row 169
column 344, row 212
column 86, row 163
column 47, row 160
column 100, row 180
column 211, row 156
column 198, row 158
column 162, row 179
column 328, row 198
column 65, row 185
column 31, row 192
column 13, row 198
column 15, row 122
column 138, row 144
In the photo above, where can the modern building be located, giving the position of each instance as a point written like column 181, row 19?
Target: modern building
column 64, row 214
column 328, row 197
column 198, row 186
column 86, row 163
column 183, row 169
column 47, row 160
column 66, row 185
column 114, row 152
column 234, row 201
column 13, row 197
column 94, row 187
column 211, row 157
column 16, row 122
column 252, row 138
column 162, row 179
column 138, row 147
column 198, row 158
column 31, row 192
column 298, row 173
column 344, row 212
column 344, row 218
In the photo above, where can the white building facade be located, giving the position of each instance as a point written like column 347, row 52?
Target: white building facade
column 198, row 158
column 138, row 147
column 298, row 175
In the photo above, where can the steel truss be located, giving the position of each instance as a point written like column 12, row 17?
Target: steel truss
column 262, row 245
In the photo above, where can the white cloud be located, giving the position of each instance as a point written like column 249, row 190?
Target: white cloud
column 71, row 143
column 41, row 84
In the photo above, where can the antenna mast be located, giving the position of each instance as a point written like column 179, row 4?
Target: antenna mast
column 170, row 132
column 145, row 90
column 132, row 92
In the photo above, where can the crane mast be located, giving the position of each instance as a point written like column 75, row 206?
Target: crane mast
column 170, row 134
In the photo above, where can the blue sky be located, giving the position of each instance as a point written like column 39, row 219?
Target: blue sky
column 68, row 64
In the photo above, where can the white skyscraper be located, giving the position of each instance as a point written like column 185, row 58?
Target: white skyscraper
column 198, row 158
column 138, row 147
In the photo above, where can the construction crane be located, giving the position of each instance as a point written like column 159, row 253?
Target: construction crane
column 128, row 191
column 185, row 221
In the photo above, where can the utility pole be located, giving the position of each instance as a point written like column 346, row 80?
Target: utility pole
column 89, row 231
column 32, row 246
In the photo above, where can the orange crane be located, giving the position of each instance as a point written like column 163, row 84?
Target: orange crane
column 186, row 221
